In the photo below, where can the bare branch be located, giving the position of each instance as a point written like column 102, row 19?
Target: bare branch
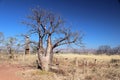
column 48, row 25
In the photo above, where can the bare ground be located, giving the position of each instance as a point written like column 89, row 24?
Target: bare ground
column 9, row 71
column 71, row 67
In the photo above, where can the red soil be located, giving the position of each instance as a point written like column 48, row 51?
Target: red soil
column 8, row 71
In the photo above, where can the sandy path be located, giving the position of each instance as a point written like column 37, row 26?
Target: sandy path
column 8, row 72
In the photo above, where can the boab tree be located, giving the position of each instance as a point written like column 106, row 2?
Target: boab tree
column 27, row 43
column 51, row 33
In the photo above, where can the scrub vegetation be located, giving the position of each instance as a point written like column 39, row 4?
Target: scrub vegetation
column 69, row 67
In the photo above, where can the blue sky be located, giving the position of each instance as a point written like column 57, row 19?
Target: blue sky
column 99, row 20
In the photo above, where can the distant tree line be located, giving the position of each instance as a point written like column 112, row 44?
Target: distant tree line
column 12, row 45
column 106, row 49
column 103, row 49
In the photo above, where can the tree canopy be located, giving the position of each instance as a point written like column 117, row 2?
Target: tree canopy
column 52, row 32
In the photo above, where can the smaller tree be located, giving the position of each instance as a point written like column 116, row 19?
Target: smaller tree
column 116, row 50
column 10, row 43
column 27, row 45
column 104, row 49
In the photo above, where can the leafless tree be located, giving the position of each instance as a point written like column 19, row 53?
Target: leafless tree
column 27, row 45
column 10, row 43
column 51, row 32
column 116, row 50
column 104, row 49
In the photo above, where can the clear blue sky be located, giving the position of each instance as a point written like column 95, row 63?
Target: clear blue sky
column 98, row 19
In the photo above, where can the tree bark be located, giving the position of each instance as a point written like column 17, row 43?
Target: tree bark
column 27, row 51
column 11, row 53
column 51, row 57
column 45, row 56
column 45, row 61
column 27, row 46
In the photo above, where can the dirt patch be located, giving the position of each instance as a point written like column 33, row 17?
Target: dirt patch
column 9, row 71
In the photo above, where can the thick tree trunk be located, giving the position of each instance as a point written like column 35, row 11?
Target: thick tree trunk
column 27, row 51
column 27, row 46
column 51, row 57
column 49, row 51
column 11, row 53
column 45, row 56
column 44, row 62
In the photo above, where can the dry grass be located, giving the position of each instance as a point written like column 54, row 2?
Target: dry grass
column 71, row 67
column 89, row 67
